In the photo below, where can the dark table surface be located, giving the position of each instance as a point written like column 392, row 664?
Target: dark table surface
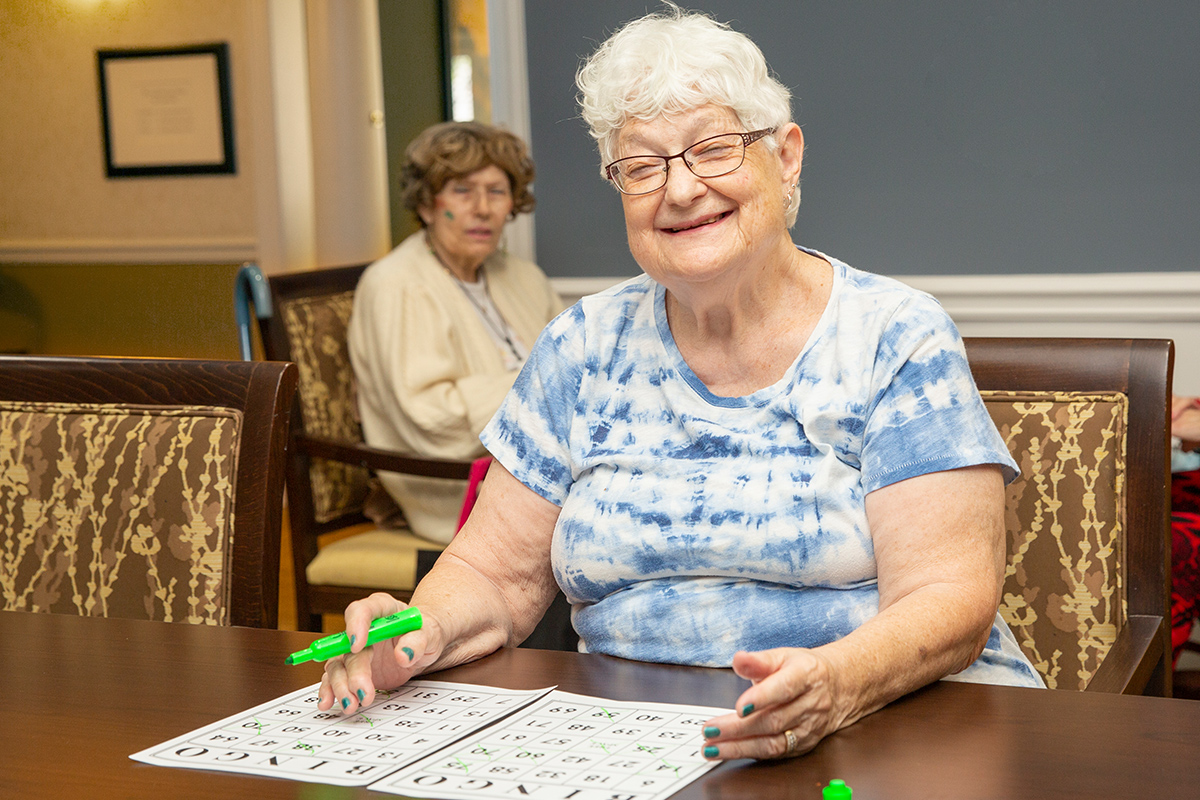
column 82, row 694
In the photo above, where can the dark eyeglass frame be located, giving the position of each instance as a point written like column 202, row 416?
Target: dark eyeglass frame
column 747, row 140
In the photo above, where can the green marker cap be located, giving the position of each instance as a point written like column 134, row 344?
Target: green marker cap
column 836, row 790
column 381, row 629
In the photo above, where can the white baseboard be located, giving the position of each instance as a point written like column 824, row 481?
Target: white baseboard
column 1150, row 305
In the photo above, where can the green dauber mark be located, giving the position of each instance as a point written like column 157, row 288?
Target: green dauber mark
column 654, row 751
column 607, row 713
column 259, row 724
column 308, row 747
column 369, row 721
column 602, row 746
column 532, row 757
column 463, row 764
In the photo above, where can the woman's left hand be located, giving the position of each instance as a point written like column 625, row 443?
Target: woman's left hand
column 794, row 691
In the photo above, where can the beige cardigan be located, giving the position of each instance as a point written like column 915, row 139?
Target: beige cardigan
column 429, row 375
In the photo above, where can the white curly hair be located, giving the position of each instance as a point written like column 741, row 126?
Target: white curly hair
column 675, row 61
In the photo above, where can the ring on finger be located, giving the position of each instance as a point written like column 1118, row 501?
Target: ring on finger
column 792, row 742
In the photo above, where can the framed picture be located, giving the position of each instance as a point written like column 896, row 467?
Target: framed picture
column 166, row 111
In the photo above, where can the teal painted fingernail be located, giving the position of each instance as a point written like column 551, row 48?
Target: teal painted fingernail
column 710, row 752
column 408, row 652
column 747, row 709
column 352, row 637
column 361, row 695
column 345, row 702
column 711, row 732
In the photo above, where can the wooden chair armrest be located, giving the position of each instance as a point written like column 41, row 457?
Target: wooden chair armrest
column 1134, row 655
column 375, row 458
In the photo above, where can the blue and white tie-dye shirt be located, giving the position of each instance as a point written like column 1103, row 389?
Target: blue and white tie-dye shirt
column 693, row 525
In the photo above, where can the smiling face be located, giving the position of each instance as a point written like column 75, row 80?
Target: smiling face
column 697, row 229
column 467, row 219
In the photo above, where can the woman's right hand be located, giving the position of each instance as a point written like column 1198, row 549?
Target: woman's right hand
column 350, row 681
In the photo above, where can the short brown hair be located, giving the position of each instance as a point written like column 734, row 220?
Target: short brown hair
column 450, row 150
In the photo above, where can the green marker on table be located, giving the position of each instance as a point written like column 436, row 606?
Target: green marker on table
column 338, row 644
column 837, row 790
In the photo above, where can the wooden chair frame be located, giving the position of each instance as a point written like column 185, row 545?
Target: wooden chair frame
column 314, row 600
column 262, row 391
column 1140, row 659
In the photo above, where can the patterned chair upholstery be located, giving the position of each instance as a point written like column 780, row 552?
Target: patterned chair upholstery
column 1064, row 594
column 143, row 509
column 329, row 471
column 93, row 491
column 1087, row 518
column 316, row 332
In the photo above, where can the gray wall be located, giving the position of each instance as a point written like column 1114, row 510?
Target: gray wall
column 943, row 137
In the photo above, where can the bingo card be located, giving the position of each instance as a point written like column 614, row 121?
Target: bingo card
column 568, row 747
column 432, row 739
column 291, row 738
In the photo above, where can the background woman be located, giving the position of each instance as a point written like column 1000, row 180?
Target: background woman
column 753, row 456
column 442, row 324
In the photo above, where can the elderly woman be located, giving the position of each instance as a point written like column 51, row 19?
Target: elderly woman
column 442, row 324
column 753, row 456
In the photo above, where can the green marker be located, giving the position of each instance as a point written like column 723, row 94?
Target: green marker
column 837, row 790
column 338, row 644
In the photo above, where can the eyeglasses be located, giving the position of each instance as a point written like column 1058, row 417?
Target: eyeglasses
column 707, row 158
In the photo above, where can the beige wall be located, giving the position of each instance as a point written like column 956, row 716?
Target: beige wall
column 57, row 204
column 82, row 256
column 55, row 190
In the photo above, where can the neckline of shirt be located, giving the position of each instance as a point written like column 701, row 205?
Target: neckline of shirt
column 767, row 393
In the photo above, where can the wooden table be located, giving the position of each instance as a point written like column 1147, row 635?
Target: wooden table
column 82, row 694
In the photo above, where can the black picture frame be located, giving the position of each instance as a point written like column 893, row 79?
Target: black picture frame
column 166, row 111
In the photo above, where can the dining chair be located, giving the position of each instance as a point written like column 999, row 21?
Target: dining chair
column 143, row 488
column 1087, row 580
column 339, row 555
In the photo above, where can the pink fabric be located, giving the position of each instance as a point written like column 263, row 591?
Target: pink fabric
column 479, row 468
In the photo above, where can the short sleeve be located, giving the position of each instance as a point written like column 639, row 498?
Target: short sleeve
column 531, row 433
column 927, row 415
